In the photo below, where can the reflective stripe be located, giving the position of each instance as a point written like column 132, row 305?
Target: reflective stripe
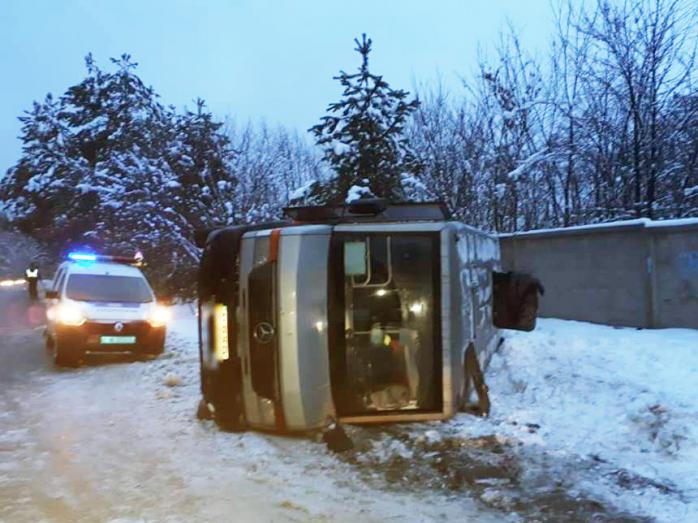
column 32, row 274
column 220, row 332
column 274, row 245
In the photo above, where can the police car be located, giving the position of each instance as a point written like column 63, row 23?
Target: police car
column 102, row 304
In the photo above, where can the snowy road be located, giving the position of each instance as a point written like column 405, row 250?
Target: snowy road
column 589, row 423
column 116, row 440
column 18, row 318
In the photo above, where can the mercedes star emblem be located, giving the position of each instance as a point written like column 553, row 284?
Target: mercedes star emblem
column 263, row 332
column 118, row 327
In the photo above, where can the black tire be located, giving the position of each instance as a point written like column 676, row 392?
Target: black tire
column 49, row 343
column 226, row 396
column 154, row 350
column 65, row 355
column 528, row 311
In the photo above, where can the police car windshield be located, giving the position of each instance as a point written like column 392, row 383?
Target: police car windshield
column 96, row 287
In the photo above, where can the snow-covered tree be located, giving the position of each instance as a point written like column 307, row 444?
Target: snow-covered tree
column 107, row 165
column 603, row 129
column 363, row 136
column 17, row 251
column 271, row 164
column 448, row 141
column 43, row 192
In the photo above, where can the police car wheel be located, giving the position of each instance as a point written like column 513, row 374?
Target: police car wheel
column 154, row 350
column 64, row 355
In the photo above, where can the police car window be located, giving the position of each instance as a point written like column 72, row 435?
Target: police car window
column 56, row 277
column 59, row 281
column 100, row 288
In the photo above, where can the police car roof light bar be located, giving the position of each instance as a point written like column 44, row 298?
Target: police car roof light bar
column 87, row 257
column 79, row 256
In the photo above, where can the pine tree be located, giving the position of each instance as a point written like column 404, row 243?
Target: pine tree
column 363, row 137
column 44, row 193
column 199, row 154
column 106, row 164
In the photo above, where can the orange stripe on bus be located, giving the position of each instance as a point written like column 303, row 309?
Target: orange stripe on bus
column 274, row 245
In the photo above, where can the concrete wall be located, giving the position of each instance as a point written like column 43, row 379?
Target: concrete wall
column 637, row 273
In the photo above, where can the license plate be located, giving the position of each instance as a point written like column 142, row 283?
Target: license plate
column 117, row 340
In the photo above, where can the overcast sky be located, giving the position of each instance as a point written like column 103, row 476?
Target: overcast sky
column 271, row 60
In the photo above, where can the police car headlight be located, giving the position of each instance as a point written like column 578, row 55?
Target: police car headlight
column 69, row 314
column 159, row 316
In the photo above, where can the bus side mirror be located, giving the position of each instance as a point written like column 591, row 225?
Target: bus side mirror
column 515, row 297
column 51, row 295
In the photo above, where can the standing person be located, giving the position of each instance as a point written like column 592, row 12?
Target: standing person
column 31, row 275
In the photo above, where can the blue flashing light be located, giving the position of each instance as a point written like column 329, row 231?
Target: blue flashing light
column 79, row 256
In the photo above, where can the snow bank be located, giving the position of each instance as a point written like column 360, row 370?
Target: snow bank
column 623, row 402
column 588, row 422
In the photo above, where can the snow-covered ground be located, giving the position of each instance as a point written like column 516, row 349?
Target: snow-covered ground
column 587, row 419
column 622, row 401
column 588, row 423
column 118, row 441
column 624, row 398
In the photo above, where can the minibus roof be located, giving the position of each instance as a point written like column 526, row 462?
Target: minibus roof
column 361, row 212
column 369, row 210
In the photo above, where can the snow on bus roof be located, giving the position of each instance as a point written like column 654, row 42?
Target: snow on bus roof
column 640, row 223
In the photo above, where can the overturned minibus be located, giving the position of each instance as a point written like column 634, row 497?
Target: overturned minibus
column 363, row 313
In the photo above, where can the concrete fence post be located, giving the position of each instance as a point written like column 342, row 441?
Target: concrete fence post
column 651, row 281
